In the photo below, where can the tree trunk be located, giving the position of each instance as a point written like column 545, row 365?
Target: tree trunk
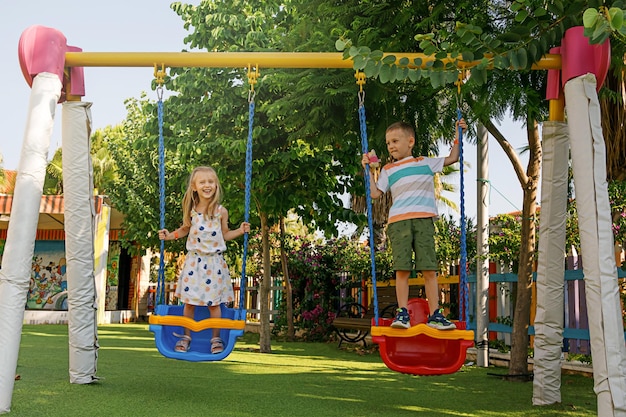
column 518, row 367
column 265, row 345
column 291, row 333
column 613, row 119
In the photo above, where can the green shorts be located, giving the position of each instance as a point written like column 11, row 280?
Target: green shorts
column 413, row 236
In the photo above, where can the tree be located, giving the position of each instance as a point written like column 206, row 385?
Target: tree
column 103, row 165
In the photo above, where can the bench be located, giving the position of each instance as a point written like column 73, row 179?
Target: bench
column 353, row 321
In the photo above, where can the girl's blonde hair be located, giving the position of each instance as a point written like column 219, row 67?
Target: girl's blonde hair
column 190, row 199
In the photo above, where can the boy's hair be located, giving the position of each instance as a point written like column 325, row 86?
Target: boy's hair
column 190, row 199
column 404, row 127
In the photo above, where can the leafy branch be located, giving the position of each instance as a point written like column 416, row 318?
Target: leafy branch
column 516, row 38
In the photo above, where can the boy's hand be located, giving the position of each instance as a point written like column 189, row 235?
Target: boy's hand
column 462, row 124
column 365, row 159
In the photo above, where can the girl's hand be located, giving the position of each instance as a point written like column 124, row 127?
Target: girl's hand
column 245, row 227
column 163, row 234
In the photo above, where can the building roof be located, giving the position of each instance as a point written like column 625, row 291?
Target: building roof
column 52, row 212
column 8, row 186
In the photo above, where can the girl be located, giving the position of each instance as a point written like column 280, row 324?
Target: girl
column 205, row 279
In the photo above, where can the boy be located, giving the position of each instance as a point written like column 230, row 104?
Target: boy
column 411, row 216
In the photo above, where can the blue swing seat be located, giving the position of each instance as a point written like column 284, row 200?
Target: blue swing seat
column 231, row 327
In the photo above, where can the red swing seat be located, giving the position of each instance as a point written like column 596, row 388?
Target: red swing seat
column 421, row 350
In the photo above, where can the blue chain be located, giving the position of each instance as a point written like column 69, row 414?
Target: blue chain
column 242, row 287
column 368, row 200
column 160, row 294
column 464, row 296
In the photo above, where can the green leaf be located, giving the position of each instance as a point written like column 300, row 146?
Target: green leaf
column 414, row 75
column 430, row 50
column 425, row 44
column 425, row 36
column 404, row 61
column 555, row 7
column 468, row 56
column 385, row 74
column 616, row 18
column 510, row 37
column 372, row 69
column 523, row 31
column 482, row 76
column 512, row 55
column 521, row 16
column 359, row 62
column 451, row 77
column 377, row 55
column 393, row 73
column 417, row 62
column 540, row 11
column 340, row 45
column 501, row 62
column 389, row 59
column 601, row 33
column 522, row 58
column 364, row 50
column 354, row 51
column 532, row 52
column 436, row 79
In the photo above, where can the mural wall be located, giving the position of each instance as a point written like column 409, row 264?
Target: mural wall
column 48, row 282
column 48, row 279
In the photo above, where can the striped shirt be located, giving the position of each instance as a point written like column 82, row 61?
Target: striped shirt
column 412, row 187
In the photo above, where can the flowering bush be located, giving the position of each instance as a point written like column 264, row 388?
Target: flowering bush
column 504, row 240
column 314, row 285
column 448, row 243
column 617, row 199
column 316, row 270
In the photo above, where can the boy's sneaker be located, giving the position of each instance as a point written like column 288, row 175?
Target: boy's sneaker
column 438, row 321
column 402, row 320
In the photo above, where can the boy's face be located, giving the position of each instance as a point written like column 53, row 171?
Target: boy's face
column 399, row 144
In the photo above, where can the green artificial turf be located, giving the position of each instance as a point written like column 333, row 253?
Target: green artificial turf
column 296, row 379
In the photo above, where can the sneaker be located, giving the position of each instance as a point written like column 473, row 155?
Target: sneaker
column 438, row 321
column 402, row 320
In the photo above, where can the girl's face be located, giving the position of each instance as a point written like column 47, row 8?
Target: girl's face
column 205, row 184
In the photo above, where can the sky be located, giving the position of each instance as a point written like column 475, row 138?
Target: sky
column 151, row 26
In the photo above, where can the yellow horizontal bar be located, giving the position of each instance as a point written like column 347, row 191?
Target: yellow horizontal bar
column 197, row 326
column 422, row 329
column 245, row 59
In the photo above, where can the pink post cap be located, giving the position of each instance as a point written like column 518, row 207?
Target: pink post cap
column 77, row 76
column 579, row 57
column 553, row 91
column 41, row 49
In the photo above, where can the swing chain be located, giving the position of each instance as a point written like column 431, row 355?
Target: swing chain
column 360, row 80
column 159, row 74
column 459, row 82
column 253, row 75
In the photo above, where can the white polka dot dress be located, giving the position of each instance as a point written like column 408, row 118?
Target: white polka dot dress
column 205, row 279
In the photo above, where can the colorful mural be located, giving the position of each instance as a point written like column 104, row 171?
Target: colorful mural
column 48, row 281
column 113, row 269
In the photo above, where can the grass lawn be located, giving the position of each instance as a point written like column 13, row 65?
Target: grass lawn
column 297, row 379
